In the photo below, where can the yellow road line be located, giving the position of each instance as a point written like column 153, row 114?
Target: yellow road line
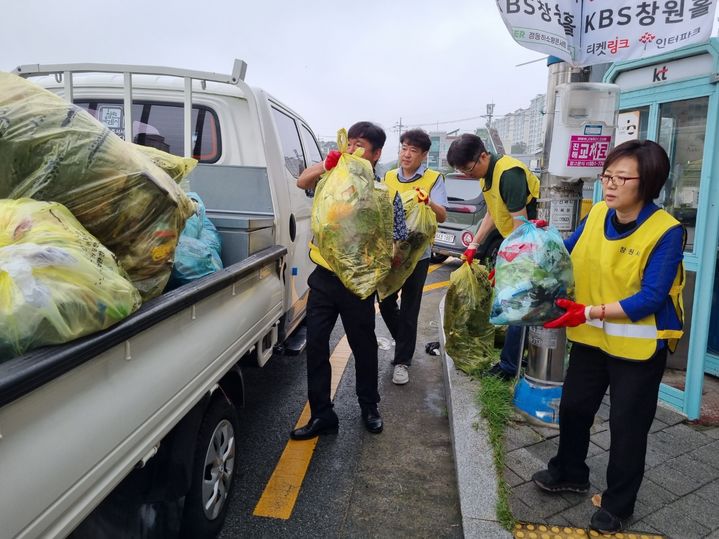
column 435, row 286
column 280, row 494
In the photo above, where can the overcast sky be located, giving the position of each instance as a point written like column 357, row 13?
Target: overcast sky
column 334, row 63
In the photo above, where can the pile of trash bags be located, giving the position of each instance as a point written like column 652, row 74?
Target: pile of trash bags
column 52, row 150
column 533, row 269
column 199, row 248
column 57, row 282
column 352, row 222
column 469, row 336
column 421, row 227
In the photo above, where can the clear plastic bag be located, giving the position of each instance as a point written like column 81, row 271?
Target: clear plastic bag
column 176, row 167
column 352, row 222
column 421, row 227
column 468, row 332
column 57, row 282
column 533, row 269
column 54, row 151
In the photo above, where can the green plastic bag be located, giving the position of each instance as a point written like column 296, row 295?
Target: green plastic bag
column 57, row 282
column 468, row 333
column 54, row 151
column 422, row 226
column 352, row 222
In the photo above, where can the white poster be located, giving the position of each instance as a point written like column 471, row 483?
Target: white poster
column 587, row 32
column 627, row 126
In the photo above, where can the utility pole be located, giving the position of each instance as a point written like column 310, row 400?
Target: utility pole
column 398, row 128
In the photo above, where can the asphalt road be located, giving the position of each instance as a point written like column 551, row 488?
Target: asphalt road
column 400, row 483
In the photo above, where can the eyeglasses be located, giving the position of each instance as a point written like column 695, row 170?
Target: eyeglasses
column 616, row 180
column 466, row 171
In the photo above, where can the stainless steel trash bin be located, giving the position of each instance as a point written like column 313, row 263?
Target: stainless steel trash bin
column 546, row 355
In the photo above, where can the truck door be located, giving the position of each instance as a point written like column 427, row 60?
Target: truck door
column 298, row 223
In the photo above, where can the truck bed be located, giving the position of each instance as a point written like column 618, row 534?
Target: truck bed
column 76, row 418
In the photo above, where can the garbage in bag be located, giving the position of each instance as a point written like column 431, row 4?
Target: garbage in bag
column 468, row 332
column 57, row 282
column 199, row 248
column 421, row 227
column 352, row 222
column 54, row 151
column 175, row 166
column 533, row 269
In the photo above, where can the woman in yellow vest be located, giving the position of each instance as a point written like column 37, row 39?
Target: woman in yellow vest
column 627, row 258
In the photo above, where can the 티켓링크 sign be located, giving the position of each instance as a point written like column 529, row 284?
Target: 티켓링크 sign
column 586, row 32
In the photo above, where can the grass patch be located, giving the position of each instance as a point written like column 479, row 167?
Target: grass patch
column 495, row 400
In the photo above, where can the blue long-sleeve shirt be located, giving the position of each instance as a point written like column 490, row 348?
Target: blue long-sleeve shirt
column 659, row 274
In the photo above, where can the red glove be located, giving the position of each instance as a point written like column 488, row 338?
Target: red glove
column 422, row 196
column 572, row 318
column 468, row 255
column 539, row 223
column 333, row 157
column 490, row 277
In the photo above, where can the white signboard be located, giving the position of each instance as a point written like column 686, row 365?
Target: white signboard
column 627, row 126
column 587, row 32
column 562, row 214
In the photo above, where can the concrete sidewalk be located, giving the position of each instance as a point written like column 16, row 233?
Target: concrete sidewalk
column 678, row 497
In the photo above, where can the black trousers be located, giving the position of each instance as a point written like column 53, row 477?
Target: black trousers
column 633, row 391
column 402, row 321
column 328, row 298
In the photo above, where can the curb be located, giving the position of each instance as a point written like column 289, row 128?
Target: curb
column 474, row 464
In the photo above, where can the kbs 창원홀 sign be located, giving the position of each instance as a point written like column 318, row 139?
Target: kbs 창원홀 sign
column 587, row 32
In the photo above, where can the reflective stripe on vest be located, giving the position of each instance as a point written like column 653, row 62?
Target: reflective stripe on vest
column 622, row 262
column 426, row 182
column 496, row 206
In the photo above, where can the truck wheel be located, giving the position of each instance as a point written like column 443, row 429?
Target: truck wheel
column 213, row 471
column 436, row 258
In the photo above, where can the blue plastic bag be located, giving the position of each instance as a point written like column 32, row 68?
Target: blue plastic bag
column 533, row 269
column 198, row 251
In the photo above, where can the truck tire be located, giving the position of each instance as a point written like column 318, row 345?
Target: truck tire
column 213, row 471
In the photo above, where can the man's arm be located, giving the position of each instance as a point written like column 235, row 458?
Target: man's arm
column 310, row 176
column 485, row 227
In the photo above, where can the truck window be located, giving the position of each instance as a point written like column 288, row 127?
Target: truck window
column 312, row 151
column 160, row 125
column 290, row 140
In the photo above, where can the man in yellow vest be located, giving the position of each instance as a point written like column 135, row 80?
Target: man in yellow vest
column 411, row 174
column 510, row 190
column 328, row 299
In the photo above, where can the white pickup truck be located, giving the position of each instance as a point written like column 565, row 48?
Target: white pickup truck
column 131, row 432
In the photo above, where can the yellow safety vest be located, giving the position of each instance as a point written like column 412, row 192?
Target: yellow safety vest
column 607, row 270
column 495, row 205
column 426, row 182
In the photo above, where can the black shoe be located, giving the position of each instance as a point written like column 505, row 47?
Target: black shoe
column 372, row 420
column 499, row 372
column 314, row 428
column 605, row 522
column 545, row 481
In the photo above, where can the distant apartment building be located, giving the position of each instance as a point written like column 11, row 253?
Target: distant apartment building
column 524, row 127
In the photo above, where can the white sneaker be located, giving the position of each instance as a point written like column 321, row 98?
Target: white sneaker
column 400, row 375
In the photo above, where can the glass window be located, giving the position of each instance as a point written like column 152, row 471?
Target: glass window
column 290, row 139
column 313, row 152
column 461, row 188
column 161, row 125
column 682, row 127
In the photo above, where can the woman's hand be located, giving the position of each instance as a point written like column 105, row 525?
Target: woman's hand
column 575, row 315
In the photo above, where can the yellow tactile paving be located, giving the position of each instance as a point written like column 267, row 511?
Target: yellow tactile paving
column 280, row 494
column 527, row 530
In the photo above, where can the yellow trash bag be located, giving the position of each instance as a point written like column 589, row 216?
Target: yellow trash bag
column 422, row 226
column 57, row 282
column 468, row 333
column 352, row 222
column 176, row 167
column 54, row 151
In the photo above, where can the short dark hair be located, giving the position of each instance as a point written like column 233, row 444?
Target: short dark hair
column 417, row 138
column 464, row 150
column 373, row 133
column 652, row 163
